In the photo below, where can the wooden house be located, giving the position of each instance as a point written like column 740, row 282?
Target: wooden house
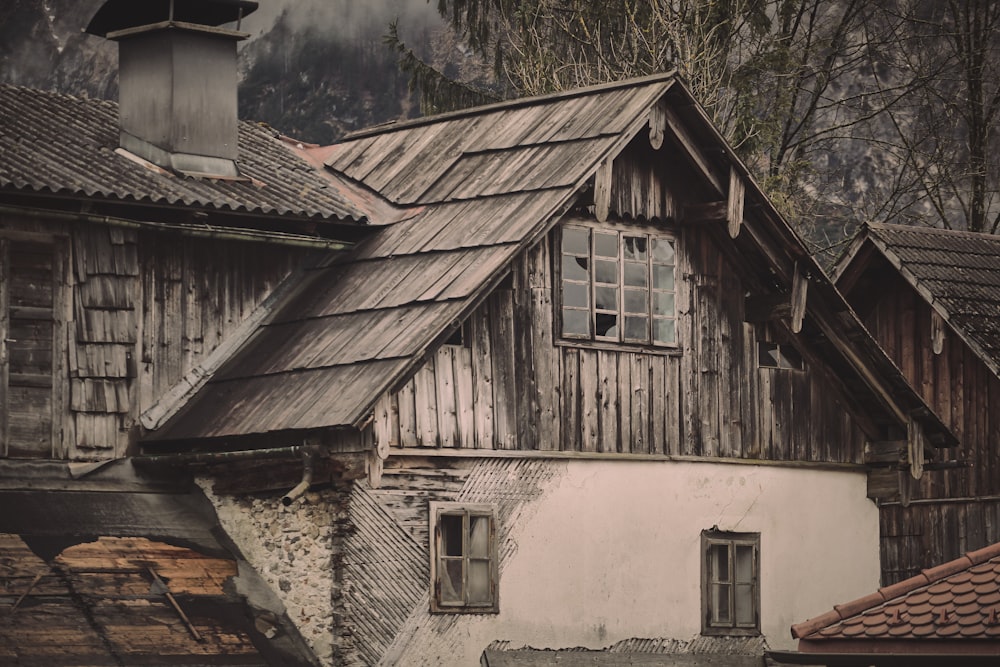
column 931, row 299
column 551, row 373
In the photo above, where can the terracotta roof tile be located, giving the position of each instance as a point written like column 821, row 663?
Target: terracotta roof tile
column 955, row 600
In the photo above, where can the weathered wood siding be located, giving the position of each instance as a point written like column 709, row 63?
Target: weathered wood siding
column 953, row 510
column 955, row 384
column 130, row 313
column 514, row 385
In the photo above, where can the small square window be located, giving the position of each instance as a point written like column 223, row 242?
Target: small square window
column 463, row 558
column 730, row 583
column 775, row 355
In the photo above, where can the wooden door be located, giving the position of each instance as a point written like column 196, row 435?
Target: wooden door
column 28, row 271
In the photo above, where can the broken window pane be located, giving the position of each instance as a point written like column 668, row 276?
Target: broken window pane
column 744, row 563
column 606, row 325
column 593, row 277
column 635, row 248
column 720, row 562
column 575, row 268
column 663, row 251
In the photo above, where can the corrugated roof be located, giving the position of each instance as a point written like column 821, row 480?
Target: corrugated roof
column 959, row 600
column 59, row 144
column 481, row 186
column 957, row 272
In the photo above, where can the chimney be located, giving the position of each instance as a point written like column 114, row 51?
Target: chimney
column 177, row 80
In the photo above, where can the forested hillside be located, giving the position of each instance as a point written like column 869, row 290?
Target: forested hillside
column 845, row 110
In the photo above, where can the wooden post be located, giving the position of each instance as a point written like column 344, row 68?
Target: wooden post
column 734, row 211
column 602, row 190
column 915, row 447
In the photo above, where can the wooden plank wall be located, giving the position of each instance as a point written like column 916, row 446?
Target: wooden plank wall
column 132, row 312
column 512, row 387
column 955, row 383
column 923, row 535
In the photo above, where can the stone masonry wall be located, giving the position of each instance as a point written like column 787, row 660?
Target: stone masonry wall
column 294, row 549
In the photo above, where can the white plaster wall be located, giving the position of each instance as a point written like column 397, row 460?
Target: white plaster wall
column 611, row 551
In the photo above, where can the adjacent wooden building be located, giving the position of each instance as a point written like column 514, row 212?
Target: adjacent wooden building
column 931, row 297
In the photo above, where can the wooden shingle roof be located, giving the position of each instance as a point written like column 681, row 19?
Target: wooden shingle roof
column 477, row 188
column 957, row 273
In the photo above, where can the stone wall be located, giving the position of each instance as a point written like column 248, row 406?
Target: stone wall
column 294, row 549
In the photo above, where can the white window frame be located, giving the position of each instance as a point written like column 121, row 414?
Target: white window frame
column 439, row 558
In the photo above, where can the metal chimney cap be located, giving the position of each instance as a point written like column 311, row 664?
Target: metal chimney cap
column 115, row 15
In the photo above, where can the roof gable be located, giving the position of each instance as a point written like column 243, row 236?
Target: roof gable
column 957, row 273
column 360, row 326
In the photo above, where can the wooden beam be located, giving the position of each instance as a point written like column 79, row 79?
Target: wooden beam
column 937, row 332
column 657, row 125
column 734, row 212
column 695, row 153
column 799, row 288
column 915, row 447
column 602, row 190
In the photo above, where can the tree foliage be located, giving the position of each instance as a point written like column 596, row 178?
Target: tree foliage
column 798, row 87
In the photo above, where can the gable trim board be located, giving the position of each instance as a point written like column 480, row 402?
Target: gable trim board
column 420, row 163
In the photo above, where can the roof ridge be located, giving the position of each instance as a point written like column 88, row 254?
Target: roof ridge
column 900, row 589
column 392, row 126
column 882, row 226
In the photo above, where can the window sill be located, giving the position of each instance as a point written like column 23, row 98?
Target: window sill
column 730, row 632
column 664, row 351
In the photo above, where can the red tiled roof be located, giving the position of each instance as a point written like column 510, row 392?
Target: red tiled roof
column 957, row 600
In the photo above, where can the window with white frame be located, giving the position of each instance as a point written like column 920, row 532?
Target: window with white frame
column 463, row 558
column 730, row 583
column 617, row 285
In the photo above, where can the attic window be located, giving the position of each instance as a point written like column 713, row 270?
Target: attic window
column 463, row 558
column 775, row 355
column 617, row 286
